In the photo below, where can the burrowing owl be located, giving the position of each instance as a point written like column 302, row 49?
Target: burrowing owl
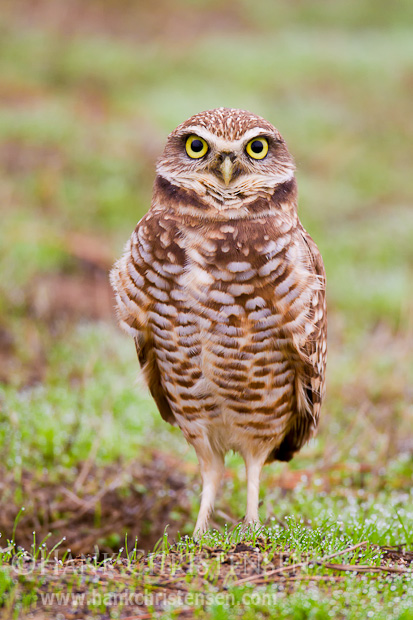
column 223, row 292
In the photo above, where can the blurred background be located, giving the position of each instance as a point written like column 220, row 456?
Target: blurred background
column 88, row 93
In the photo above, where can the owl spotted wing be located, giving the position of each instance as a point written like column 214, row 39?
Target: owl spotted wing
column 141, row 280
column 311, row 353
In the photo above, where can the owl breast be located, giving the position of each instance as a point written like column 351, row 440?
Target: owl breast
column 227, row 328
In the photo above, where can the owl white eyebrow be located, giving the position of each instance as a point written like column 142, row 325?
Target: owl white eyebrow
column 226, row 145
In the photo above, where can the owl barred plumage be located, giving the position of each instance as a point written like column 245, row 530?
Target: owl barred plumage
column 223, row 292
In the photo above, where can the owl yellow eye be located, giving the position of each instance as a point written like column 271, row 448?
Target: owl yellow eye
column 196, row 147
column 257, row 148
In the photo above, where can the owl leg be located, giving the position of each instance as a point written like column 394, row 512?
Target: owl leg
column 253, row 466
column 211, row 471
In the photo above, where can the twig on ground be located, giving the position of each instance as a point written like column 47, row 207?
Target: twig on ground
column 365, row 568
column 84, row 472
column 290, row 567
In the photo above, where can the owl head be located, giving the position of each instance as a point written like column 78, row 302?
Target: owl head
column 226, row 156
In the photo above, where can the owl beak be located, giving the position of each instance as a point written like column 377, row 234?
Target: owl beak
column 227, row 169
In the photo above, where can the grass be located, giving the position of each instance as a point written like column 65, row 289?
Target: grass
column 87, row 97
column 224, row 575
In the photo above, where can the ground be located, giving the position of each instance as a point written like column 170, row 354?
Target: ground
column 88, row 93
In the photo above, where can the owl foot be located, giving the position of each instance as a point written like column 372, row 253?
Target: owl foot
column 250, row 525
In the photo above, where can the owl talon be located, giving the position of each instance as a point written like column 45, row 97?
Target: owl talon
column 250, row 526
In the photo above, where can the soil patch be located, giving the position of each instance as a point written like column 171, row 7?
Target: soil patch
column 97, row 506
